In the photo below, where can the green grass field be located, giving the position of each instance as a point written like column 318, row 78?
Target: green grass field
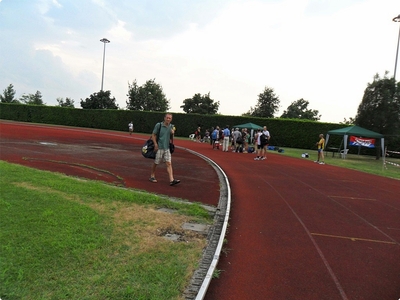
column 68, row 238
column 362, row 163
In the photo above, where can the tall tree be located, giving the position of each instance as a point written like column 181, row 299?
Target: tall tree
column 299, row 110
column 199, row 104
column 379, row 109
column 8, row 95
column 35, row 99
column 267, row 105
column 100, row 100
column 67, row 103
column 148, row 97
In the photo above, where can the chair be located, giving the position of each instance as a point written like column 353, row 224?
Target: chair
column 191, row 136
column 343, row 153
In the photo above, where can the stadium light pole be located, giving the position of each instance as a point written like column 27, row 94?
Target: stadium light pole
column 105, row 41
column 396, row 19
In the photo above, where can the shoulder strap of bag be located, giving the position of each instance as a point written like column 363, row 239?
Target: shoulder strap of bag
column 171, row 136
column 159, row 130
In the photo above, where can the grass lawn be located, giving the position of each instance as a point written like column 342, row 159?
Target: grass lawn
column 362, row 163
column 67, row 238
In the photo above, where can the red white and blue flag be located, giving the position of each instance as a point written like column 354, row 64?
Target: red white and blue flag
column 360, row 141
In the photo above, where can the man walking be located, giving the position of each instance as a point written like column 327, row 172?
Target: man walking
column 162, row 135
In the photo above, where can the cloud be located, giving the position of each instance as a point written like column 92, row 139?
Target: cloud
column 45, row 5
column 323, row 51
column 119, row 33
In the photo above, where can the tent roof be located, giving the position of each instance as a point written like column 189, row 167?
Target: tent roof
column 356, row 131
column 248, row 126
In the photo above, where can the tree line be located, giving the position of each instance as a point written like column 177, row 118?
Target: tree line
column 150, row 97
column 379, row 109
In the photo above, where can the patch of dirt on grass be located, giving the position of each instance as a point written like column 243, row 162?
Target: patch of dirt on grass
column 141, row 228
column 151, row 225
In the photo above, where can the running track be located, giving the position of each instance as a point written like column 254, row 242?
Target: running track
column 297, row 230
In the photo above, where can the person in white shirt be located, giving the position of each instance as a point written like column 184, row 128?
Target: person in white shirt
column 130, row 126
column 265, row 143
column 257, row 144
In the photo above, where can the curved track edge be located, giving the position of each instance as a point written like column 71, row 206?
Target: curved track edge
column 201, row 278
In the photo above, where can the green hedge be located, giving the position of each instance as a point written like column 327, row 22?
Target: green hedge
column 285, row 133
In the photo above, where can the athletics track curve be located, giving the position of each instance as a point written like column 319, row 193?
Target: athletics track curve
column 297, row 230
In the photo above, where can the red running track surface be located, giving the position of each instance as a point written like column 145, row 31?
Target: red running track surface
column 297, row 230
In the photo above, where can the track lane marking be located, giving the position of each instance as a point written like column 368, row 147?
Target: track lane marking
column 353, row 198
column 352, row 238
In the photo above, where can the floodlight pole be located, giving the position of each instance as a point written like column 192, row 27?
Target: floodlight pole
column 396, row 19
column 105, row 41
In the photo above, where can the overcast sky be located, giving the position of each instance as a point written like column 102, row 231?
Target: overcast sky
column 325, row 51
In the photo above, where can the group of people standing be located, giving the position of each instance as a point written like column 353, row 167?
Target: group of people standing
column 239, row 140
column 235, row 140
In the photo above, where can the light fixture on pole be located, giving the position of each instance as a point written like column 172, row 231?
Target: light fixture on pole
column 105, row 41
column 396, row 19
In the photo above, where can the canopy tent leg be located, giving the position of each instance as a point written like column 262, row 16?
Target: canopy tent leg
column 345, row 145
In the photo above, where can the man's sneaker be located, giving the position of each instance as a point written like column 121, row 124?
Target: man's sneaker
column 262, row 158
column 316, row 161
column 256, row 158
column 321, row 163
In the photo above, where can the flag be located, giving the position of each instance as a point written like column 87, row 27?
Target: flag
column 360, row 141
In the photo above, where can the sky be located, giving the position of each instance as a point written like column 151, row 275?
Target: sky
column 324, row 51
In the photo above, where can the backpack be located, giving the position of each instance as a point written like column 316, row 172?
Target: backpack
column 264, row 139
column 214, row 135
column 239, row 139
